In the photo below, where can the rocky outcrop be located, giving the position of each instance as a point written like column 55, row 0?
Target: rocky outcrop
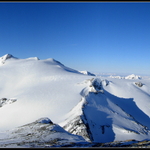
column 4, row 101
column 79, row 124
column 40, row 133
column 139, row 84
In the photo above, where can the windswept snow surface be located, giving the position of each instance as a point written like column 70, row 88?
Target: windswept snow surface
column 41, row 87
column 101, row 109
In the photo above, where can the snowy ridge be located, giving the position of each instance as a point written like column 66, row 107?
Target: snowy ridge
column 96, row 107
column 39, row 133
column 74, row 122
column 87, row 73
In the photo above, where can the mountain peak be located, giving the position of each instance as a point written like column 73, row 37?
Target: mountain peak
column 6, row 57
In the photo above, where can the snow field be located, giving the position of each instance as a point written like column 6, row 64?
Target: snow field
column 104, row 108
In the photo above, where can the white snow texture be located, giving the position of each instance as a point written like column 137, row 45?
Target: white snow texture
column 104, row 108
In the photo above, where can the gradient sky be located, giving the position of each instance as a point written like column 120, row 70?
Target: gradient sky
column 94, row 36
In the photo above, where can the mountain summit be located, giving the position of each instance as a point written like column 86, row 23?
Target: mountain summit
column 6, row 57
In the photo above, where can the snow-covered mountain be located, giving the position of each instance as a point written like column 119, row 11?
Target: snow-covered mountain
column 107, row 112
column 133, row 76
column 87, row 73
column 117, row 77
column 40, row 133
column 40, row 87
column 100, row 109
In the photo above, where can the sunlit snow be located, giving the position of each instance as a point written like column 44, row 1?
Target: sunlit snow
column 98, row 108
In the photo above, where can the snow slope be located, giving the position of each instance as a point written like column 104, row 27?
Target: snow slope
column 101, row 109
column 42, row 88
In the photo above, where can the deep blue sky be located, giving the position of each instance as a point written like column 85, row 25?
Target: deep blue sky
column 102, row 37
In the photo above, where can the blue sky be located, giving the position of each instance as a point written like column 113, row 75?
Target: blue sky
column 98, row 37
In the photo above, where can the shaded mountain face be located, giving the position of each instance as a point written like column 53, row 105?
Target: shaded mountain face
column 100, row 109
column 105, row 117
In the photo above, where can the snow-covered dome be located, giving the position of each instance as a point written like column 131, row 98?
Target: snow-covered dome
column 133, row 76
